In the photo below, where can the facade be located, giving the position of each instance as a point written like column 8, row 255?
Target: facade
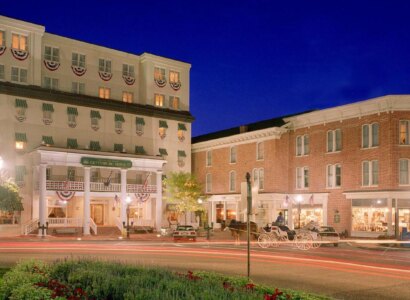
column 346, row 167
column 86, row 129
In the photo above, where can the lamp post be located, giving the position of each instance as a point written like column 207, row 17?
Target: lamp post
column 299, row 200
column 128, row 201
column 248, row 221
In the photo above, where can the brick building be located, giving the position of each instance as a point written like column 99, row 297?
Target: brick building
column 346, row 166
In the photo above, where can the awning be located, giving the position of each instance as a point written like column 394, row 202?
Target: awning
column 48, row 107
column 21, row 103
column 163, row 124
column 181, row 126
column 163, row 151
column 181, row 153
column 72, row 111
column 95, row 146
column 139, row 150
column 21, row 137
column 48, row 140
column 119, row 118
column 139, row 121
column 72, row 144
column 95, row 114
column 118, row 147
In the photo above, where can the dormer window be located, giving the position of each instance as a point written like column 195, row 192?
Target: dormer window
column 174, row 80
column 159, row 77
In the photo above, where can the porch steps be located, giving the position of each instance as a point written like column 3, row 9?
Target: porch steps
column 108, row 231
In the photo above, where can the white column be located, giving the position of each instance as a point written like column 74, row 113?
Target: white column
column 213, row 208
column 158, row 202
column 123, row 214
column 42, row 197
column 389, row 220
column 290, row 215
column 324, row 208
column 87, row 214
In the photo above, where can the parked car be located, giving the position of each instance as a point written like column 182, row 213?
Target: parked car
column 328, row 233
column 186, row 232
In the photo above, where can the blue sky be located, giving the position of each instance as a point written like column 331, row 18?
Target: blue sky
column 251, row 60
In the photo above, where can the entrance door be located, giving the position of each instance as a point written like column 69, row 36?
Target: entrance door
column 97, row 213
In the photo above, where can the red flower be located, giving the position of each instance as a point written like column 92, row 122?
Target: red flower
column 228, row 286
column 250, row 286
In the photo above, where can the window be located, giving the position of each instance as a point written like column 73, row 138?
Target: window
column 159, row 100
column 104, row 93
column 104, row 65
column 174, row 102
column 302, row 145
column 140, row 150
column 48, row 173
column 18, row 75
column 78, row 60
column 261, row 179
column 48, row 110
column 2, row 38
column 78, row 88
column 95, row 146
column 163, row 152
column 232, row 181
column 21, row 140
column 334, row 176
column 370, row 135
column 2, row 75
column 260, row 150
column 72, row 114
column 20, row 173
column 159, row 77
column 118, row 148
column 208, row 183
column 302, row 178
column 118, row 119
column 174, row 80
column 71, row 173
column 50, row 83
column 209, row 158
column 181, row 158
column 127, row 97
column 128, row 70
column 404, row 133
column 232, row 156
column 95, row 174
column 72, row 144
column 95, row 119
column 181, row 132
column 51, row 54
column 19, row 42
column 140, row 124
column 21, row 107
column 334, row 140
column 370, row 173
column 47, row 140
column 162, row 130
column 403, row 171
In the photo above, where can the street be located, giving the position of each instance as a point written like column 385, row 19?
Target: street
column 345, row 272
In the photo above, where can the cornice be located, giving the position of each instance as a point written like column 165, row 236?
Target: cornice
column 241, row 138
column 164, row 60
column 22, row 25
column 36, row 92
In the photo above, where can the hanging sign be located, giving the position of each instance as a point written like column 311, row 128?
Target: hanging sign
column 105, row 162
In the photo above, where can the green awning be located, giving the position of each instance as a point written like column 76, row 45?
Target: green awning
column 72, row 144
column 163, row 151
column 181, row 153
column 118, row 147
column 20, row 172
column 119, row 118
column 95, row 114
column 48, row 107
column 181, row 126
column 139, row 121
column 163, row 124
column 21, row 137
column 72, row 111
column 21, row 103
column 140, row 150
column 95, row 146
column 48, row 140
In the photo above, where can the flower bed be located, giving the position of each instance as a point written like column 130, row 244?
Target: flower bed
column 85, row 279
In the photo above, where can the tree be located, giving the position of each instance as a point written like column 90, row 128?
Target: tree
column 10, row 199
column 183, row 190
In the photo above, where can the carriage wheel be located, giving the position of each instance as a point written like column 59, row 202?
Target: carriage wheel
column 304, row 241
column 316, row 243
column 264, row 240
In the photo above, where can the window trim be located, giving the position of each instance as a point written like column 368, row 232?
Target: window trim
column 303, row 185
column 408, row 172
column 334, row 141
column 232, row 188
column 407, row 133
column 370, row 137
column 230, row 155
column 208, row 162
column 371, row 179
column 303, row 145
column 208, row 183
column 258, row 144
column 334, row 180
column 19, row 75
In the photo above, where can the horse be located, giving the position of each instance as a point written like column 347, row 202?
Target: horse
column 238, row 228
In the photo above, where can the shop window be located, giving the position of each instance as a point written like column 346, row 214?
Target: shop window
column 232, row 156
column 404, row 133
column 209, row 158
column 208, row 187
column 370, row 173
column 308, row 213
column 369, row 215
column 404, row 171
column 334, row 176
column 260, row 149
column 302, row 145
column 232, row 181
column 140, row 124
column 302, row 177
column 334, row 140
column 370, row 135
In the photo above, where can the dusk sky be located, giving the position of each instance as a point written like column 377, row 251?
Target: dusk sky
column 251, row 60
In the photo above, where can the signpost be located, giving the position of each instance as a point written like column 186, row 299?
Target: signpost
column 248, row 221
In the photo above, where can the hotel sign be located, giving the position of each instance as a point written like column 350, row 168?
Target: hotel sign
column 105, row 162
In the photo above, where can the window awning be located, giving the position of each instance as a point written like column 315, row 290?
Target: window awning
column 163, row 124
column 119, row 118
column 21, row 137
column 118, row 147
column 181, row 153
column 163, row 151
column 181, row 126
column 48, row 140
column 95, row 114
column 21, row 103
column 48, row 107
column 95, row 146
column 72, row 111
column 139, row 121
column 139, row 150
column 72, row 144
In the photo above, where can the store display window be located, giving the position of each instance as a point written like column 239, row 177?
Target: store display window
column 369, row 215
column 308, row 213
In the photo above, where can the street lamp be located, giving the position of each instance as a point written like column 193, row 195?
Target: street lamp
column 1, row 162
column 299, row 200
column 128, row 201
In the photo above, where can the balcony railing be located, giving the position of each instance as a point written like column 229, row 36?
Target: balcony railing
column 78, row 186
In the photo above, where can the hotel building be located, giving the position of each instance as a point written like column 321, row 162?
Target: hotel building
column 88, row 131
column 346, row 166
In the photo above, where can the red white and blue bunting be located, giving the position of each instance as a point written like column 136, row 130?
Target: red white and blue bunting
column 19, row 54
column 65, row 195
column 105, row 75
column 129, row 80
column 143, row 195
column 2, row 49
column 79, row 71
column 51, row 65
column 160, row 82
column 175, row 85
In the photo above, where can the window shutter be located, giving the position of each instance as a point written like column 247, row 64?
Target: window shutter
column 163, row 124
column 119, row 118
column 139, row 121
column 181, row 126
column 95, row 114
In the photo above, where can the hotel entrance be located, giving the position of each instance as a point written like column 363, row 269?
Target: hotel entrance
column 97, row 213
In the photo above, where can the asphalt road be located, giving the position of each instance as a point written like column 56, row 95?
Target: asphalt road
column 344, row 272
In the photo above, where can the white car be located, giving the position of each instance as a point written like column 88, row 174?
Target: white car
column 184, row 232
column 328, row 233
